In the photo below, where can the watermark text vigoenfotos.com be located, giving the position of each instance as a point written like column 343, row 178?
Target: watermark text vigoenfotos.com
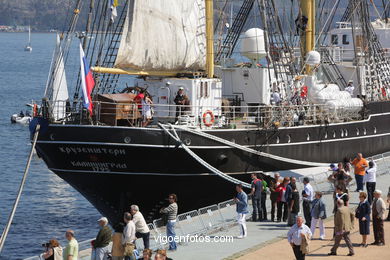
column 195, row 239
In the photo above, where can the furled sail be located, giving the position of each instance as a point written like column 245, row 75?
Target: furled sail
column 164, row 35
column 60, row 87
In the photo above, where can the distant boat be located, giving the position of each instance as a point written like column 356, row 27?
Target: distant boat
column 25, row 118
column 28, row 46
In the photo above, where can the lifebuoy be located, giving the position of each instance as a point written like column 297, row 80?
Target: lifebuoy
column 211, row 120
column 35, row 110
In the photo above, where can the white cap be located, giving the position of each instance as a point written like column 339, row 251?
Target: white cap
column 103, row 219
column 181, row 88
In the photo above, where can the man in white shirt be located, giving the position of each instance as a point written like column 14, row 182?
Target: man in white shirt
column 128, row 236
column 141, row 228
column 370, row 180
column 308, row 196
column 295, row 235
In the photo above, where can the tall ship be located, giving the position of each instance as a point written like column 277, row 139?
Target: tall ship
column 160, row 105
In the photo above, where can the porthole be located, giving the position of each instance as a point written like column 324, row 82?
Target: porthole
column 277, row 139
column 334, row 134
column 374, row 130
column 345, row 132
column 326, row 135
column 233, row 140
column 288, row 138
column 187, row 141
column 308, row 137
column 52, row 137
column 127, row 140
column 357, row 131
column 341, row 133
column 364, row 131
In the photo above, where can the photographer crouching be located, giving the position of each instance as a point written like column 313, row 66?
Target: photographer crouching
column 53, row 250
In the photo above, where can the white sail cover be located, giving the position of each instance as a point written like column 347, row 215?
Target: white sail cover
column 60, row 87
column 164, row 35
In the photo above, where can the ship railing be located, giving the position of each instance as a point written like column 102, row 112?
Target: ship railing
column 203, row 116
column 199, row 222
column 341, row 54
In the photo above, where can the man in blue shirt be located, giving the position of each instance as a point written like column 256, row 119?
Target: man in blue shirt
column 242, row 209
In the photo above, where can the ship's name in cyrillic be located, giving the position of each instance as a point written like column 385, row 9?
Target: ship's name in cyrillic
column 99, row 166
column 91, row 150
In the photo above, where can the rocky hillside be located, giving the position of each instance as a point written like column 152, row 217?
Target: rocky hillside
column 40, row 14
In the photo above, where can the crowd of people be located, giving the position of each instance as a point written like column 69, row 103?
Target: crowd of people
column 370, row 208
column 120, row 244
column 285, row 202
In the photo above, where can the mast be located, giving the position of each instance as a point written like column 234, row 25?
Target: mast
column 209, row 39
column 89, row 22
column 308, row 38
column 29, row 35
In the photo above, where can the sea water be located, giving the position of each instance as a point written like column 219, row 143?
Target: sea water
column 48, row 206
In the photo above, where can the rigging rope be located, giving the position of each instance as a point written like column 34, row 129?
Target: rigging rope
column 200, row 160
column 11, row 216
column 250, row 150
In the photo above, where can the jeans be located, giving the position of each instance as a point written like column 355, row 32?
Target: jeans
column 359, row 181
column 131, row 257
column 263, row 206
column 100, row 253
column 171, row 235
column 257, row 209
column 370, row 191
column 145, row 238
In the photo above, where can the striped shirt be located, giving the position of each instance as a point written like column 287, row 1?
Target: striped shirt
column 171, row 210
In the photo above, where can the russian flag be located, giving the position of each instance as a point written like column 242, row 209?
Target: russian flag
column 87, row 82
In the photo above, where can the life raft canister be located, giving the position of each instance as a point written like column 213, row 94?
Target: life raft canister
column 208, row 118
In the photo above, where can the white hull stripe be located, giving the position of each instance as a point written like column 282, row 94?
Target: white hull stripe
column 147, row 173
column 217, row 146
column 263, row 154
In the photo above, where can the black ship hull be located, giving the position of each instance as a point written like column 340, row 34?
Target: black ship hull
column 114, row 167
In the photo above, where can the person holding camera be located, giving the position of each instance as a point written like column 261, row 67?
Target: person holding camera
column 53, row 250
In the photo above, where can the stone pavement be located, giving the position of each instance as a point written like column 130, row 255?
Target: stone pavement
column 271, row 236
column 320, row 248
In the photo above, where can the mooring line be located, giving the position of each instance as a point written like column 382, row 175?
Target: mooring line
column 11, row 216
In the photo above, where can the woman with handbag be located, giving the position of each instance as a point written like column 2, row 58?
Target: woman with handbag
column 363, row 212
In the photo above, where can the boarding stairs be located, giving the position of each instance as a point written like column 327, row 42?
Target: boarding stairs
column 332, row 70
column 233, row 34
